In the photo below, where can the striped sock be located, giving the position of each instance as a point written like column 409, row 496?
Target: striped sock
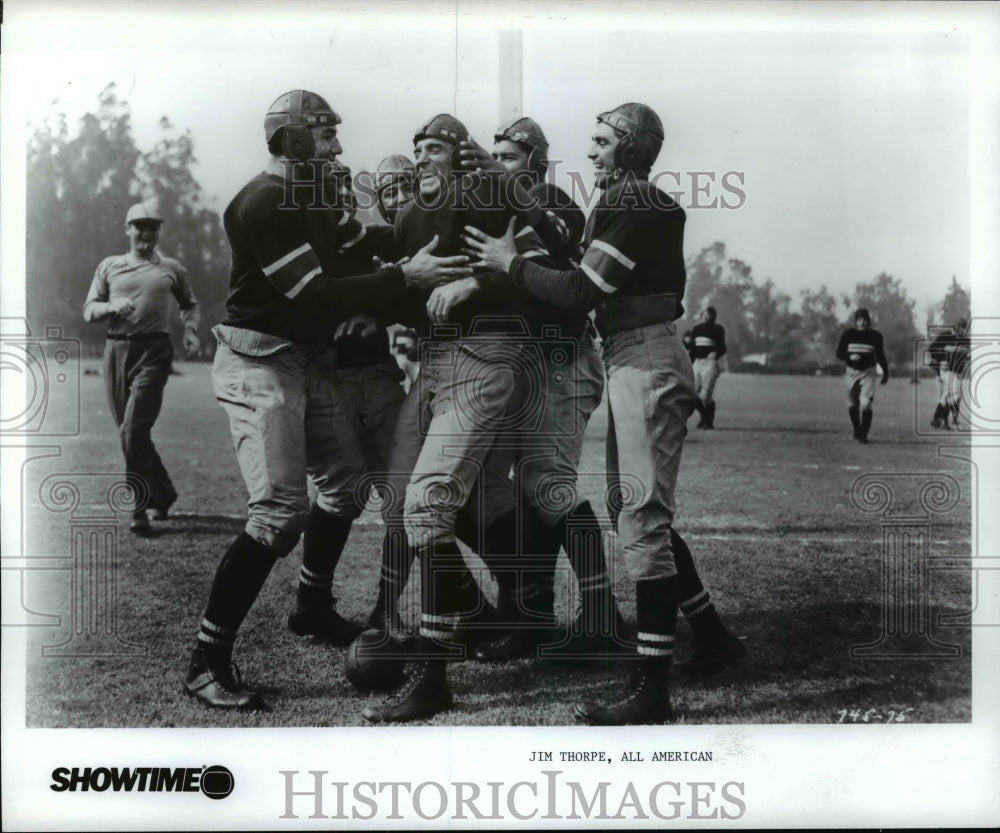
column 322, row 545
column 215, row 644
column 440, row 605
column 695, row 604
column 397, row 561
column 585, row 549
column 656, row 614
column 314, row 588
column 238, row 580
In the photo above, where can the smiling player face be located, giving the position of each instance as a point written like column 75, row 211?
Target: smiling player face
column 327, row 145
column 433, row 161
column 511, row 155
column 602, row 153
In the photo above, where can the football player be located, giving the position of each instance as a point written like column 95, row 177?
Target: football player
column 860, row 348
column 949, row 353
column 452, row 415
column 282, row 312
column 393, row 185
column 632, row 273
column 546, row 469
column 709, row 346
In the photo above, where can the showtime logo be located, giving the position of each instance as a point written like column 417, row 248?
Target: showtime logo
column 214, row 781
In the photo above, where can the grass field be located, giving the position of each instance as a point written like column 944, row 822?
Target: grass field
column 764, row 501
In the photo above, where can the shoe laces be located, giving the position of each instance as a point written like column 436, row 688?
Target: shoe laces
column 413, row 672
column 228, row 678
column 634, row 684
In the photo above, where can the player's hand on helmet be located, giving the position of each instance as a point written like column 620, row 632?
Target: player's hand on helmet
column 444, row 298
column 192, row 344
column 425, row 271
column 477, row 158
column 120, row 306
column 494, row 253
column 364, row 325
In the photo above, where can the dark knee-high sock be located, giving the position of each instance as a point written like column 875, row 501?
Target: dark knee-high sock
column 540, row 545
column 695, row 603
column 500, row 550
column 866, row 421
column 585, row 549
column 855, row 418
column 238, row 580
column 397, row 560
column 472, row 600
column 440, row 596
column 656, row 602
column 322, row 546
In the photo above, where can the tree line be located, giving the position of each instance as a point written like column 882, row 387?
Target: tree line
column 80, row 186
column 765, row 330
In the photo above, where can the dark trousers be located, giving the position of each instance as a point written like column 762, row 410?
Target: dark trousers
column 135, row 373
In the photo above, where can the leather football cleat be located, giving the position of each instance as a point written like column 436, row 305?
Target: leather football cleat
column 521, row 643
column 482, row 626
column 606, row 634
column 723, row 653
column 221, row 688
column 140, row 525
column 647, row 701
column 424, row 694
column 325, row 624
column 161, row 514
column 392, row 624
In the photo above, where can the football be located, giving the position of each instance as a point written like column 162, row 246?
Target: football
column 375, row 662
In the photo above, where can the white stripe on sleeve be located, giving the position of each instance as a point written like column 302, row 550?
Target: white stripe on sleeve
column 611, row 250
column 286, row 259
column 295, row 290
column 597, row 279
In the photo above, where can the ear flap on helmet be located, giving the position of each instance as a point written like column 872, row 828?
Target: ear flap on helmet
column 630, row 155
column 538, row 164
column 298, row 143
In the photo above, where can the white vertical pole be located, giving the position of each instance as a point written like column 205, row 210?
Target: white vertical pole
column 511, row 65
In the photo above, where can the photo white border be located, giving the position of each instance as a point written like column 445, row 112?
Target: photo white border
column 808, row 776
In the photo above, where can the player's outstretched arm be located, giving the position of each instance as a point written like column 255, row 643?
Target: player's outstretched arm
column 574, row 289
column 516, row 193
column 287, row 259
column 425, row 270
column 842, row 347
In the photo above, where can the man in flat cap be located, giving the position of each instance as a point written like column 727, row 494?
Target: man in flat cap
column 132, row 293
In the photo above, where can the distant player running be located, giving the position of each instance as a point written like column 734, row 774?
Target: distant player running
column 861, row 348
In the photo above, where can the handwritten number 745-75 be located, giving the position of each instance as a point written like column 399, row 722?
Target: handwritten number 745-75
column 872, row 716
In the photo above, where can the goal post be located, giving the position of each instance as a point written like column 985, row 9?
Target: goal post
column 511, row 82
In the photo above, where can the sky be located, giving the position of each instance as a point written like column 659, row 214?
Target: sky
column 853, row 130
